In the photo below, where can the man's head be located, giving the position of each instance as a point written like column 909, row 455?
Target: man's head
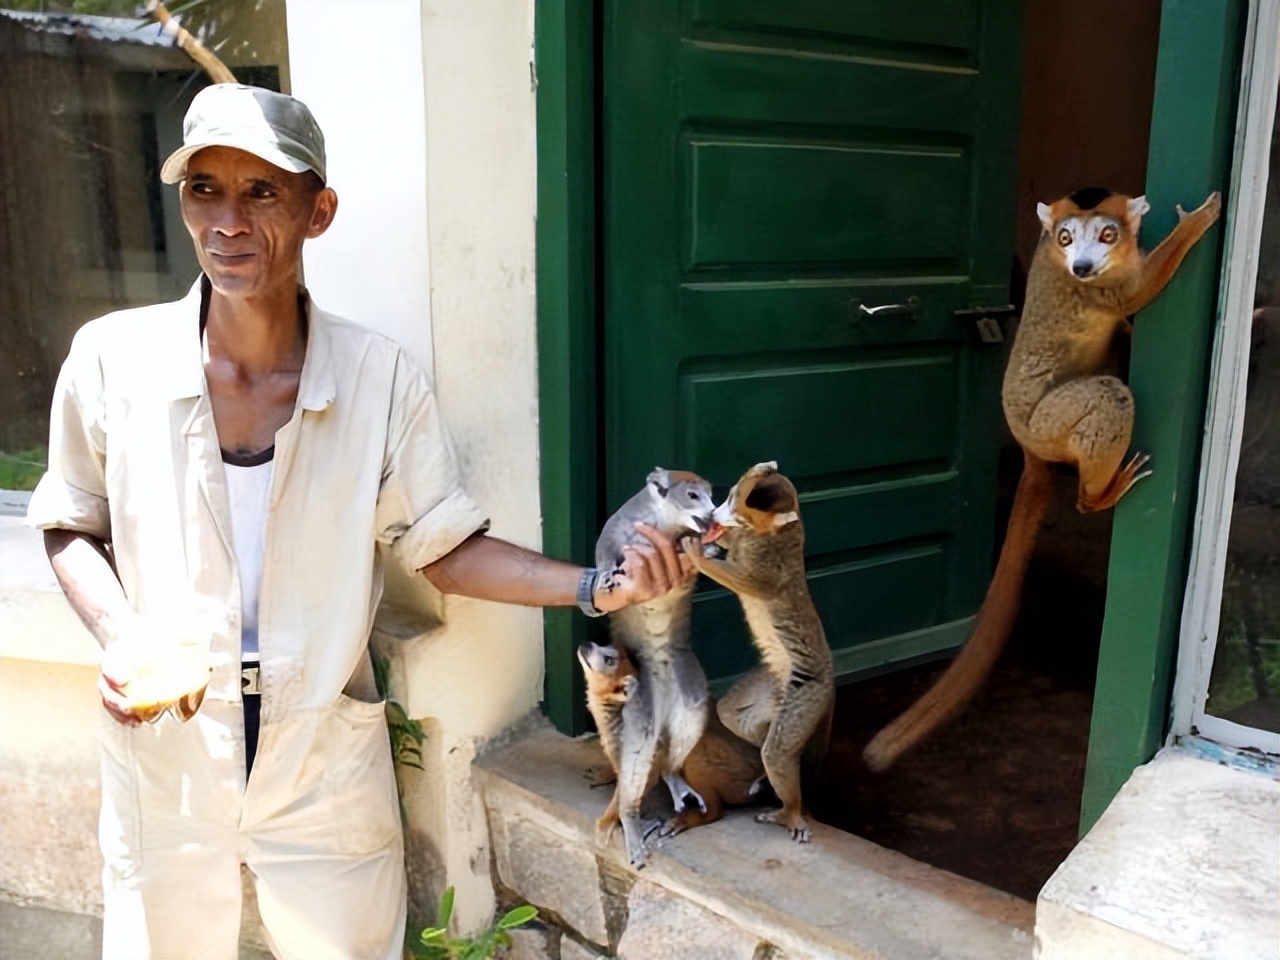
column 252, row 175
column 270, row 125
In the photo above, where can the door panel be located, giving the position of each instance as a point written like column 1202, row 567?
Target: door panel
column 769, row 170
column 727, row 411
column 799, row 204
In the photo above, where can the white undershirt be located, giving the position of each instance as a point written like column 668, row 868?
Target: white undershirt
column 249, row 489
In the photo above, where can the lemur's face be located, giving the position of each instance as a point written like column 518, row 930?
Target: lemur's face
column 684, row 500
column 1085, row 243
column 762, row 501
column 1089, row 228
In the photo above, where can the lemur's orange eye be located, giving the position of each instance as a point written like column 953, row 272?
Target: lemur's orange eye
column 1108, row 235
column 1064, row 238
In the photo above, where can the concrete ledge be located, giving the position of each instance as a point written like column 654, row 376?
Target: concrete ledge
column 1184, row 863
column 38, row 623
column 733, row 888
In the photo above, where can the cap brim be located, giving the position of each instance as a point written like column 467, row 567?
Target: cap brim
column 174, row 168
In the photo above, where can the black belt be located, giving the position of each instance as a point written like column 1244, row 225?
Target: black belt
column 251, row 694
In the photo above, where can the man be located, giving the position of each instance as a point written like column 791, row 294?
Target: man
column 222, row 470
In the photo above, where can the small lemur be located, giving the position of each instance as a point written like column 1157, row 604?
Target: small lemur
column 785, row 705
column 724, row 769
column 670, row 718
column 1087, row 278
column 611, row 681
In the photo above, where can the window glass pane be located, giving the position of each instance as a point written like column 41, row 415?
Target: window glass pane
column 91, row 101
column 1245, row 684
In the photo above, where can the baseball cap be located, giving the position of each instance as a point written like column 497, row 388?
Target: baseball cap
column 270, row 125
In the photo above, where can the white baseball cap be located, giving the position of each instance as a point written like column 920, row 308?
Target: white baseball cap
column 270, row 125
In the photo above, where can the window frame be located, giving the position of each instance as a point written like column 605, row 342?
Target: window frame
column 1224, row 419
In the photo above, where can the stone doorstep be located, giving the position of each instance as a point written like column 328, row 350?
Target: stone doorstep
column 838, row 896
column 1185, row 862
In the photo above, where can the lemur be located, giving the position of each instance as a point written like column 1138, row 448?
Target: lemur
column 671, row 716
column 784, row 706
column 1087, row 278
column 724, row 769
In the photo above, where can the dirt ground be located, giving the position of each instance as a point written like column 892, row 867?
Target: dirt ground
column 996, row 795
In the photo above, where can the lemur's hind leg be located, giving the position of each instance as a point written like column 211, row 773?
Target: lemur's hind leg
column 1089, row 422
column 682, row 793
column 748, row 708
column 782, row 765
column 633, row 782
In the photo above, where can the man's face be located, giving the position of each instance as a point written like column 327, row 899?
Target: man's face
column 248, row 219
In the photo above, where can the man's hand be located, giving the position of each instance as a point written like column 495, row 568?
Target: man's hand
column 648, row 571
column 144, row 674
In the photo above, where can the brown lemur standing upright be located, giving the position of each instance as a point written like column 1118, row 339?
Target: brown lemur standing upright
column 663, row 724
column 784, row 706
column 1087, row 278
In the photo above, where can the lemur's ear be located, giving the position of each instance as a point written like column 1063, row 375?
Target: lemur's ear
column 1138, row 208
column 660, row 480
column 1045, row 213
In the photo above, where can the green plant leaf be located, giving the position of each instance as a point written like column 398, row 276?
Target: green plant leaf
column 446, row 908
column 517, row 917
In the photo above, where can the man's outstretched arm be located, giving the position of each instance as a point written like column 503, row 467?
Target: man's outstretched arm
column 491, row 569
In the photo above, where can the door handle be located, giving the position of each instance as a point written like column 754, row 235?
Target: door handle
column 889, row 311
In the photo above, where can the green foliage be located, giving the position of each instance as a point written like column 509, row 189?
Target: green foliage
column 1233, row 682
column 436, row 944
column 407, row 735
column 23, row 469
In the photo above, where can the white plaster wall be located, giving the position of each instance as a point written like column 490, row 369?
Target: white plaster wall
column 358, row 65
column 428, row 110
column 480, row 190
column 485, row 672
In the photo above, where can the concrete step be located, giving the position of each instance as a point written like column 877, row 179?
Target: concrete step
column 29, row 932
column 735, row 888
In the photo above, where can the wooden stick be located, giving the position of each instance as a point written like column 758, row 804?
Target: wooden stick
column 205, row 58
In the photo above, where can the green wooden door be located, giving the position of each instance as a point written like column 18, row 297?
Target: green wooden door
column 769, row 169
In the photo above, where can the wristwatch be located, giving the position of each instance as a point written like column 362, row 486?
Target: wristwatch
column 587, row 592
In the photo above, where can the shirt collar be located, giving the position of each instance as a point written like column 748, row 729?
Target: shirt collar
column 186, row 375
column 318, row 385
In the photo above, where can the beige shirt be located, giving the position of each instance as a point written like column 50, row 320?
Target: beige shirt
column 364, row 464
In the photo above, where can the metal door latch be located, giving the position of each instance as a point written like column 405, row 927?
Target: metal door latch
column 986, row 321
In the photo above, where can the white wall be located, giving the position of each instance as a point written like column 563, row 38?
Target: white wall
column 428, row 111
column 358, row 65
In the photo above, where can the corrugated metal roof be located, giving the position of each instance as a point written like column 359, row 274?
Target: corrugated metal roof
column 110, row 29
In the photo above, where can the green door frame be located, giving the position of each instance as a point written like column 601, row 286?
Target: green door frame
column 1192, row 130
column 1193, row 120
column 568, row 427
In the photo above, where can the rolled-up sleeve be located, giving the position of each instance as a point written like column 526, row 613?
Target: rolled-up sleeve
column 423, row 512
column 73, row 492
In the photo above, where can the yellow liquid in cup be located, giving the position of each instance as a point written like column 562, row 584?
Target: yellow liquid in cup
column 168, row 676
